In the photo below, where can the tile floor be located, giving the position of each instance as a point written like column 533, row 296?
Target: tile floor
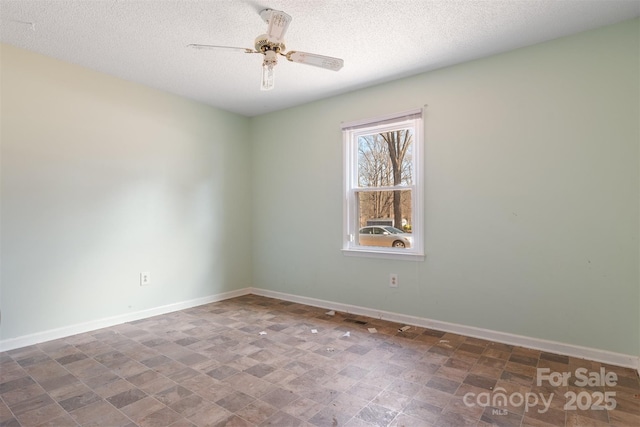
column 210, row 365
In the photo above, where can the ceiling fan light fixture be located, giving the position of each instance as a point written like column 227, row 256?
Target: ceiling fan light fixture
column 270, row 61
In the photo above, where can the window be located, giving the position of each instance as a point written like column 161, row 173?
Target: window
column 383, row 187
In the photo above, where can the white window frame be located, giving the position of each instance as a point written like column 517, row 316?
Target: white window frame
column 350, row 133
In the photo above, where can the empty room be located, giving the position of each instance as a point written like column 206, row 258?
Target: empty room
column 319, row 213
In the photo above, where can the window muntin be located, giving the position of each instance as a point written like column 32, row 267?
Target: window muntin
column 383, row 186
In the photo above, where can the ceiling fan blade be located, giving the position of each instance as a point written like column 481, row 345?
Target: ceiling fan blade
column 209, row 46
column 278, row 24
column 321, row 61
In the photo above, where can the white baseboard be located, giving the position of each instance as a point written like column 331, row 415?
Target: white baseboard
column 617, row 359
column 53, row 334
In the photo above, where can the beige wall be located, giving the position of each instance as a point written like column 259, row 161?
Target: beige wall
column 103, row 179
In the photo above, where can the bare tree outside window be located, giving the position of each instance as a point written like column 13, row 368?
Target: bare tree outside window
column 385, row 161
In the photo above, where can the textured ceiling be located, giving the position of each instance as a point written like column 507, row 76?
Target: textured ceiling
column 145, row 41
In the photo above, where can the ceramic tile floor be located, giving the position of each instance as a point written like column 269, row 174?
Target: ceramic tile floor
column 210, row 365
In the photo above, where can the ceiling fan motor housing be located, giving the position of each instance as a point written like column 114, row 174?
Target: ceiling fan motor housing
column 263, row 44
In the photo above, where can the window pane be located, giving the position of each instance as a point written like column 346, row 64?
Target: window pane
column 386, row 159
column 387, row 216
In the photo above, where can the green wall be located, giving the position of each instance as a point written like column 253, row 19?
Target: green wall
column 532, row 195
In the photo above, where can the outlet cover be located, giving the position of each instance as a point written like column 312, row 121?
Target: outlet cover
column 145, row 278
column 393, row 280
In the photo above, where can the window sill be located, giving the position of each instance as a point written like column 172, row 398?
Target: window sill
column 385, row 254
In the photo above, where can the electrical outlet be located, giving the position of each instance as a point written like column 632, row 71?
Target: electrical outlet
column 393, row 280
column 145, row 278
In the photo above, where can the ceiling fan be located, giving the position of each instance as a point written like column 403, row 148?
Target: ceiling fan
column 271, row 45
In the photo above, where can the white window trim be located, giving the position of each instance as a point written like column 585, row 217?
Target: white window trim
column 350, row 156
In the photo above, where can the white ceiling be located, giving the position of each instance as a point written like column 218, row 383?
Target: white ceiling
column 145, row 40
